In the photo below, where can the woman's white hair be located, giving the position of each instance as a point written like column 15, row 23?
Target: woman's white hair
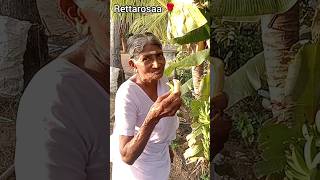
column 137, row 42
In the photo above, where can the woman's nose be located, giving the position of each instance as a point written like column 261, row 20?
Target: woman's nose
column 155, row 63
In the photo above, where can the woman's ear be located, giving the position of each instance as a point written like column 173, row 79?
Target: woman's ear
column 72, row 11
column 131, row 63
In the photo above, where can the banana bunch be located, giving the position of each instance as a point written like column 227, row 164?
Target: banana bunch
column 303, row 162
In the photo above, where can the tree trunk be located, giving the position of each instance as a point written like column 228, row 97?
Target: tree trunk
column 115, row 46
column 197, row 72
column 36, row 54
column 279, row 33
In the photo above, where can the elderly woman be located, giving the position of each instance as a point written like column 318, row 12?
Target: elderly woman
column 145, row 121
column 62, row 117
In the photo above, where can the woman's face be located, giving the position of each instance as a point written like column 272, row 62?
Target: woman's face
column 98, row 23
column 151, row 63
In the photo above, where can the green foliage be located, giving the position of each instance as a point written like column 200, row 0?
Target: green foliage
column 205, row 177
column 249, row 7
column 237, row 43
column 243, row 125
column 126, row 19
column 273, row 141
column 304, row 158
column 199, row 138
column 303, row 82
column 192, row 60
column 246, row 80
column 200, row 34
column 186, row 23
column 174, row 144
column 277, row 139
column 205, row 87
column 155, row 23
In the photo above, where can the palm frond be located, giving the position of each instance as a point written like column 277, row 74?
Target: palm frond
column 127, row 19
column 155, row 23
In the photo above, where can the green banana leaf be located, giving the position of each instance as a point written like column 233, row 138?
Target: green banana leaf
column 264, row 168
column 186, row 23
column 249, row 7
column 303, row 82
column 186, row 87
column 192, row 60
column 274, row 140
column 193, row 151
column 200, row 34
column 246, row 80
column 241, row 18
column 304, row 87
column 205, row 87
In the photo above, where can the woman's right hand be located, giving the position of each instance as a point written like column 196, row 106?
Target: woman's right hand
column 166, row 105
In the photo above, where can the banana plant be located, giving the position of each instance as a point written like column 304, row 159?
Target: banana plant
column 198, row 150
column 183, row 23
column 249, row 7
column 303, row 160
column 199, row 138
column 306, row 93
column 280, row 30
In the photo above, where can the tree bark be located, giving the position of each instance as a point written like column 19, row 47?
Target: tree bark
column 197, row 71
column 279, row 33
column 115, row 46
column 36, row 54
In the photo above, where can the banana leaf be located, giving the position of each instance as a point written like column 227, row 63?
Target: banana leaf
column 274, row 140
column 246, row 80
column 186, row 23
column 205, row 87
column 200, row 34
column 269, row 167
column 303, row 82
column 249, row 7
column 192, row 60
column 241, row 18
column 186, row 87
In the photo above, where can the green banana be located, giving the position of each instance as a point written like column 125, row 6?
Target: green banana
column 316, row 161
column 307, row 152
column 299, row 160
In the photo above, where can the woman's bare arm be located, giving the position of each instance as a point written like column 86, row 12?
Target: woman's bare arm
column 131, row 147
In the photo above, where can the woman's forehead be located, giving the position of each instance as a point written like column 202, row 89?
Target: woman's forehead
column 152, row 52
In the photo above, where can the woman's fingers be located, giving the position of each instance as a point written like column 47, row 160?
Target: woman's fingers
column 174, row 107
column 171, row 98
column 162, row 97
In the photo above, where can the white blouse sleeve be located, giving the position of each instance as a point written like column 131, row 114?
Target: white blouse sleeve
column 125, row 111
